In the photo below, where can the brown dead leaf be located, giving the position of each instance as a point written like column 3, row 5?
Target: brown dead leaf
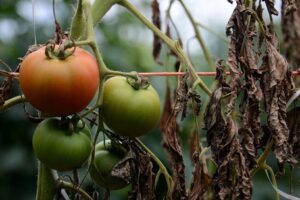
column 156, row 21
column 171, row 139
column 5, row 89
column 271, row 7
column 141, row 174
column 290, row 25
column 276, row 88
column 293, row 119
column 232, row 179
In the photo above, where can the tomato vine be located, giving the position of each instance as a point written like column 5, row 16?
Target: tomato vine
column 227, row 142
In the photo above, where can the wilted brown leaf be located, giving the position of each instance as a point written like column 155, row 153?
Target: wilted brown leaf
column 271, row 8
column 5, row 89
column 200, row 183
column 171, row 140
column 293, row 119
column 156, row 21
column 141, row 174
column 232, row 179
column 290, row 25
column 288, row 7
column 276, row 89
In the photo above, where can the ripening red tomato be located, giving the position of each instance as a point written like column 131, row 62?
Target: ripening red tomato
column 59, row 87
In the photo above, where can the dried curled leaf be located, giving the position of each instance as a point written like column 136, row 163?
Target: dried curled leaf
column 290, row 25
column 232, row 179
column 5, row 89
column 141, row 173
column 271, row 8
column 293, row 119
column 276, row 89
column 277, row 64
column 201, row 180
column 122, row 168
column 171, row 140
column 288, row 7
column 156, row 21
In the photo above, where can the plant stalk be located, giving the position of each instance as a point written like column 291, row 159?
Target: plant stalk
column 174, row 46
column 198, row 35
column 46, row 186
column 11, row 102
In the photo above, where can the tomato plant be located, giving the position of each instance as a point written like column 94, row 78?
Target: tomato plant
column 60, row 146
column 59, row 86
column 249, row 113
column 127, row 110
column 106, row 157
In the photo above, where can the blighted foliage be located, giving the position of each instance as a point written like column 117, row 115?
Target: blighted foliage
column 232, row 179
column 293, row 119
column 143, row 177
column 277, row 88
column 257, row 76
column 201, row 180
column 5, row 89
column 259, row 85
column 172, row 144
column 6, row 84
column 136, row 168
column 156, row 21
column 290, row 25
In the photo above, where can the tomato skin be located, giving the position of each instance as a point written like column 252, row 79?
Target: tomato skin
column 128, row 111
column 59, row 87
column 60, row 148
column 105, row 159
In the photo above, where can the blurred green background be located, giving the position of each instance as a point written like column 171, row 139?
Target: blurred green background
column 125, row 45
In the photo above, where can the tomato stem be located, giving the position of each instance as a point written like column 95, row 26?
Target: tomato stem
column 173, row 45
column 198, row 35
column 263, row 157
column 64, row 184
column 138, row 83
column 11, row 102
column 46, row 187
column 100, row 7
column 273, row 179
column 78, row 27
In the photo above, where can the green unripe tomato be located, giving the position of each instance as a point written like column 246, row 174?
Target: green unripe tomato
column 129, row 111
column 60, row 147
column 105, row 159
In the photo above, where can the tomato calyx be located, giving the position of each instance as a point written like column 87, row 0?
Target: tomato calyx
column 73, row 124
column 61, row 51
column 140, row 82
